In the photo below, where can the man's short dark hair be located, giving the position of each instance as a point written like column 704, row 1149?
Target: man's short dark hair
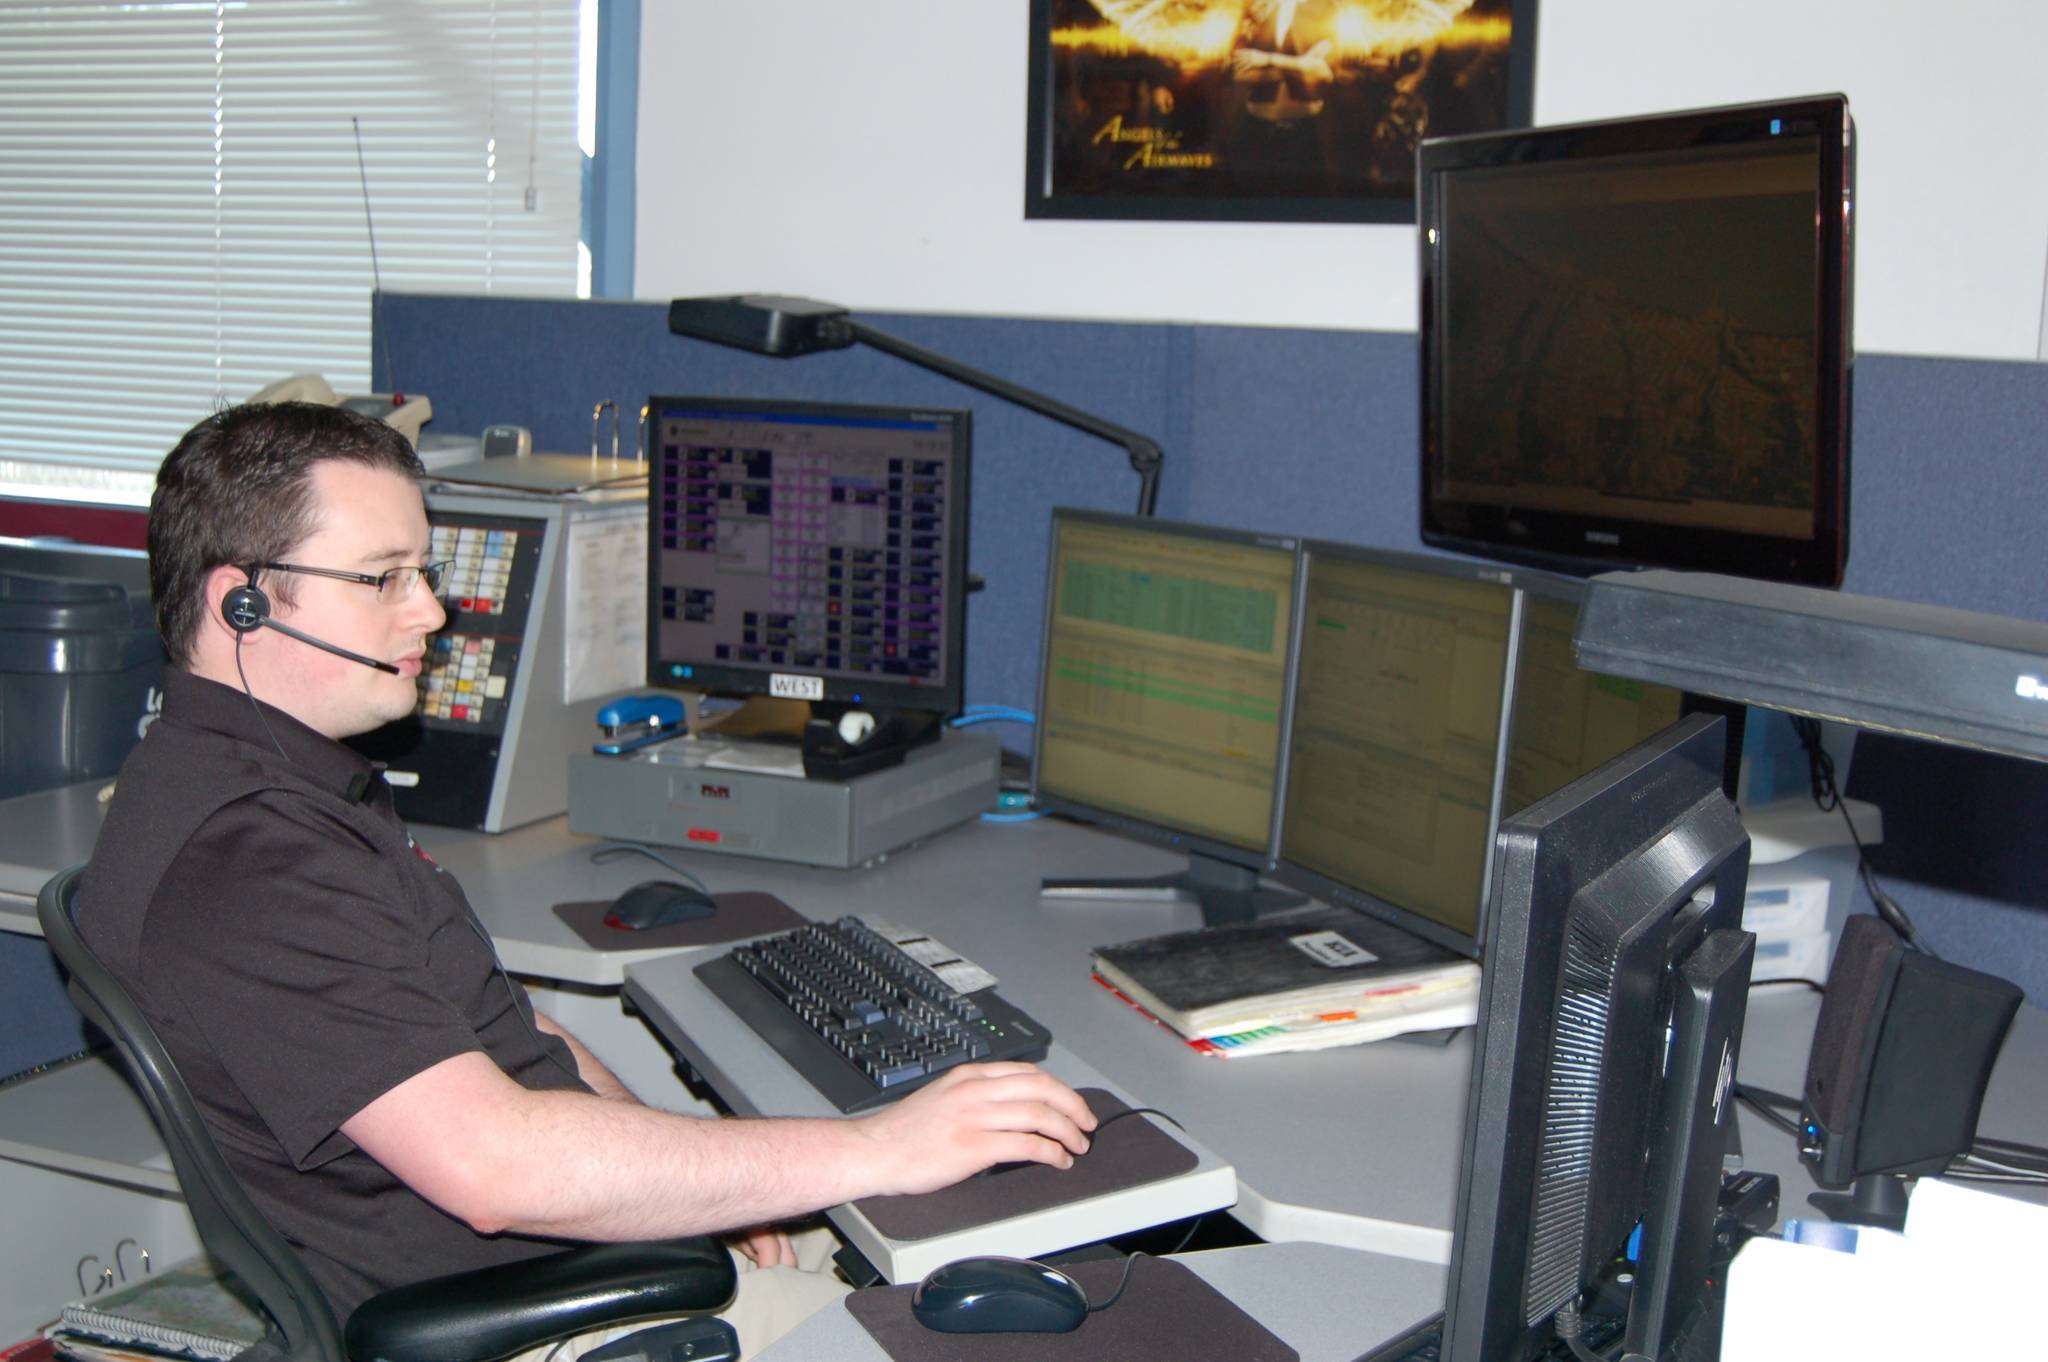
column 238, row 491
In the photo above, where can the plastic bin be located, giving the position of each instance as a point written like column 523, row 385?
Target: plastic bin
column 80, row 667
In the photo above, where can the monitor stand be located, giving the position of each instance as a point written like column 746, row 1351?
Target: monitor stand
column 1876, row 1199
column 1226, row 893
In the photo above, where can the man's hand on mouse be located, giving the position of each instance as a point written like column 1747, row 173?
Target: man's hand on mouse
column 974, row 1117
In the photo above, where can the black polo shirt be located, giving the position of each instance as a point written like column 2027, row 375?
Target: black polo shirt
column 300, row 957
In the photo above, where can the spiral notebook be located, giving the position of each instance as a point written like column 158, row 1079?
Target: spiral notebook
column 191, row 1310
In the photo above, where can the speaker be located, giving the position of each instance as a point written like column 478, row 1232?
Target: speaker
column 1901, row 1056
column 245, row 608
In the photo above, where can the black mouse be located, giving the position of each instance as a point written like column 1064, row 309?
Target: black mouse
column 658, row 903
column 999, row 1295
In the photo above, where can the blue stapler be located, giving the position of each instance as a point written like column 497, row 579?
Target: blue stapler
column 638, row 721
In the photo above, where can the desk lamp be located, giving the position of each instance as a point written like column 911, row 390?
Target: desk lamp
column 1904, row 1045
column 788, row 327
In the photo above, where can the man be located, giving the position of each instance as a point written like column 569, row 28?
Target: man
column 390, row 1101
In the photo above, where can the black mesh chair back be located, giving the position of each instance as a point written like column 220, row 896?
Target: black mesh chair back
column 232, row 1229
column 469, row 1316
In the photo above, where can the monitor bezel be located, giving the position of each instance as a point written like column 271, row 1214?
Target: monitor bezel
column 1259, row 859
column 944, row 698
column 1579, row 543
column 1317, row 884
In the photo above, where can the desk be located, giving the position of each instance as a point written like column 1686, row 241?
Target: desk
column 1357, row 1148
column 1328, row 1304
column 1387, row 1183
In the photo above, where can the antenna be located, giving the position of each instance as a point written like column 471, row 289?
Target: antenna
column 376, row 276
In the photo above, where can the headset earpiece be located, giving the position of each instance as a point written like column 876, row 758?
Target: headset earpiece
column 245, row 608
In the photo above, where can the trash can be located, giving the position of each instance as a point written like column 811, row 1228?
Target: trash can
column 80, row 667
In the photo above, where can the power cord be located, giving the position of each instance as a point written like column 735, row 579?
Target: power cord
column 1006, row 811
column 1827, row 797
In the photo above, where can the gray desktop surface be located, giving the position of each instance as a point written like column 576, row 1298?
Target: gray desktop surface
column 1328, row 1304
column 1356, row 1147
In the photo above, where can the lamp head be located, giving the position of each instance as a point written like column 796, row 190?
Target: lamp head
column 763, row 323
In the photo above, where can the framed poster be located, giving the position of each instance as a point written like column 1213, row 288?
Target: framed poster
column 1261, row 110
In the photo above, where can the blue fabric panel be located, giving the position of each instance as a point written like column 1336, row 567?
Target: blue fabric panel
column 38, row 1024
column 1316, row 433
column 1304, row 432
column 544, row 365
column 1948, row 499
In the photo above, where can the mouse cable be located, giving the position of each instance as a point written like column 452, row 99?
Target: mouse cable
column 612, row 851
column 1195, row 1224
column 1827, row 797
column 1130, row 1261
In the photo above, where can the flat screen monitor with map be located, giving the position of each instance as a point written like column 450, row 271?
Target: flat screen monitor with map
column 1636, row 342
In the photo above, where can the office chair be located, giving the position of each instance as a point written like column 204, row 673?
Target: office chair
column 464, row 1317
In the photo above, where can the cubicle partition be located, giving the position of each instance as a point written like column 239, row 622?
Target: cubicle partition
column 1315, row 433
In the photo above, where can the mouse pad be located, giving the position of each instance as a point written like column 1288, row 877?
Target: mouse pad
column 1129, row 1153
column 1166, row 1312
column 739, row 916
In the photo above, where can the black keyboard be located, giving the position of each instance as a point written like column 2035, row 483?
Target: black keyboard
column 858, row 1017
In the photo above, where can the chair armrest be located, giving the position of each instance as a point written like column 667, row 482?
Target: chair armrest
column 497, row 1311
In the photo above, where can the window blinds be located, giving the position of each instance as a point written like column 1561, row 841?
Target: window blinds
column 182, row 215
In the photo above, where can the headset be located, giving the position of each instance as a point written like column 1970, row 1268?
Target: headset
column 246, row 609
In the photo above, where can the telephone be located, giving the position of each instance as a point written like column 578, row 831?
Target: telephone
column 406, row 412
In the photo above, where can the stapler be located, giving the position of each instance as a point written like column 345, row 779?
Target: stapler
column 638, row 721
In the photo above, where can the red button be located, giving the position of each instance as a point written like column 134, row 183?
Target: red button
column 459, row 712
column 702, row 834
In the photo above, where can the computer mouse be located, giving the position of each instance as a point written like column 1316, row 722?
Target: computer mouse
column 997, row 1296
column 658, row 903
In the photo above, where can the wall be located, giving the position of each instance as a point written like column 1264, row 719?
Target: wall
column 873, row 154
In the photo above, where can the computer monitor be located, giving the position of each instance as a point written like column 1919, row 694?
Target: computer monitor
column 808, row 551
column 1394, row 754
column 1636, row 341
column 1568, row 720
column 1162, row 698
column 1610, row 1022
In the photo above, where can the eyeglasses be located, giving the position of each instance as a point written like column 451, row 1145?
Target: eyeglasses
column 393, row 584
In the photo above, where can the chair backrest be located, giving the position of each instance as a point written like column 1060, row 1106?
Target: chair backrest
column 232, row 1229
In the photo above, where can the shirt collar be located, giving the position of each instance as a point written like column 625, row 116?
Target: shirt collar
column 196, row 702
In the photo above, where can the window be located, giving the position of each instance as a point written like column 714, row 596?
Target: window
column 183, row 214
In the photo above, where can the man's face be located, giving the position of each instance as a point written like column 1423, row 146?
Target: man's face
column 366, row 520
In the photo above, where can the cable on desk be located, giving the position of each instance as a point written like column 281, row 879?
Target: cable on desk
column 1570, row 1330
column 2015, row 1162
column 1827, row 796
column 612, row 851
column 1761, row 1101
column 989, row 714
column 1819, row 988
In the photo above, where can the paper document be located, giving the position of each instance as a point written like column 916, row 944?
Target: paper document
column 604, row 635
